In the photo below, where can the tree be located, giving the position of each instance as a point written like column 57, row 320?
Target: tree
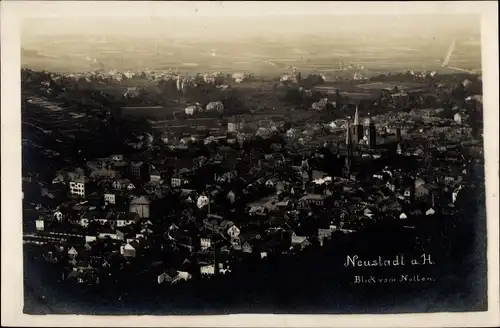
column 293, row 96
column 312, row 80
column 338, row 97
column 329, row 109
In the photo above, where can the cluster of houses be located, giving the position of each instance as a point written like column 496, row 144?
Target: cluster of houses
column 222, row 209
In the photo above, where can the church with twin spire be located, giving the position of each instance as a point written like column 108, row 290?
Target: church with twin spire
column 357, row 132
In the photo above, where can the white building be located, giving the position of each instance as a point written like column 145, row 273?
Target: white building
column 191, row 110
column 176, row 182
column 233, row 231
column 205, row 243
column 215, row 106
column 77, row 187
column 207, row 269
column 110, row 198
column 202, row 201
column 40, row 224
column 239, row 77
column 209, row 79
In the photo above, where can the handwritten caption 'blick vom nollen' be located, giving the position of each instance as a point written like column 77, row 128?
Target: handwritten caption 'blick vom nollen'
column 355, row 261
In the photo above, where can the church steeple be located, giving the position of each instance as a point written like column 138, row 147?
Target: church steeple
column 371, row 133
column 357, row 128
column 356, row 116
column 348, row 140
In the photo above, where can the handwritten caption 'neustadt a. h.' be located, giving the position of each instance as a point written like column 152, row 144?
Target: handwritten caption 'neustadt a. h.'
column 398, row 261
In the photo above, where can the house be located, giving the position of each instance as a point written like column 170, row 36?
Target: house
column 88, row 247
column 128, row 250
column 146, row 232
column 449, row 179
column 236, row 243
column 306, row 243
column 225, row 177
column 205, row 243
column 182, row 275
column 455, row 193
column 208, row 269
column 314, row 199
column 296, row 240
column 40, row 223
column 121, row 233
column 246, row 247
column 117, row 158
column 54, row 192
column 109, row 198
column 180, row 178
column 77, row 185
column 123, row 184
column 231, row 197
column 140, row 205
column 102, row 173
column 84, row 276
column 138, row 169
column 107, row 235
column 172, row 276
column 58, row 179
column 155, row 176
column 324, row 234
column 72, row 253
column 58, row 216
column 233, row 231
column 407, row 193
column 202, row 201
column 390, row 186
column 125, row 219
column 299, row 242
column 85, row 218
column 176, row 182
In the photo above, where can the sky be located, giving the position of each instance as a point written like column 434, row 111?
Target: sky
column 241, row 29
column 250, row 27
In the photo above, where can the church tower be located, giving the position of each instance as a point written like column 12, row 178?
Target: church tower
column 398, row 134
column 348, row 143
column 371, row 133
column 357, row 128
column 399, row 149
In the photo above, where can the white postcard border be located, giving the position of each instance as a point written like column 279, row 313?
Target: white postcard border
column 12, row 300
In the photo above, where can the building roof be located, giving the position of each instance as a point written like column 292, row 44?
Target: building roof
column 314, row 197
column 143, row 199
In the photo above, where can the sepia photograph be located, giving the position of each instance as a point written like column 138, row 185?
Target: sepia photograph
column 214, row 158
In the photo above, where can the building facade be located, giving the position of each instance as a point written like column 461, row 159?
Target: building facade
column 77, row 188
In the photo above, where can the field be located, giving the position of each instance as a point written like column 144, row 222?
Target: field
column 391, row 85
column 264, row 54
